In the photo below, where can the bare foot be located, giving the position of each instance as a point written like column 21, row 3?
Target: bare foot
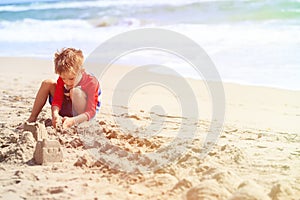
column 21, row 126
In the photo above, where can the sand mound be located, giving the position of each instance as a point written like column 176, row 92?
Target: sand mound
column 16, row 147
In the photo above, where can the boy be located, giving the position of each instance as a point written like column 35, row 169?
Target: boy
column 74, row 97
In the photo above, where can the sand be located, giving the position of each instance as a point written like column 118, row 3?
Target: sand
column 256, row 156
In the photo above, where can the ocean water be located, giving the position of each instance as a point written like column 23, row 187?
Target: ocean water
column 254, row 42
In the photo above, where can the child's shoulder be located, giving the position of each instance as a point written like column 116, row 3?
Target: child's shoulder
column 89, row 75
column 90, row 78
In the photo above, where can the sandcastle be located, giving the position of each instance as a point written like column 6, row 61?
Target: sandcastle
column 46, row 151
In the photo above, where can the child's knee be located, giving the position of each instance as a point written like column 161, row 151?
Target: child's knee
column 77, row 93
column 48, row 83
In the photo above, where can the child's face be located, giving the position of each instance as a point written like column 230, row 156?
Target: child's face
column 70, row 79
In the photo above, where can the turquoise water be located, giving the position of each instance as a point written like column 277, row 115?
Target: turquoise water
column 251, row 41
column 158, row 11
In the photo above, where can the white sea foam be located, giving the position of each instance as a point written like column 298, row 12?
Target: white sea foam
column 92, row 4
column 31, row 30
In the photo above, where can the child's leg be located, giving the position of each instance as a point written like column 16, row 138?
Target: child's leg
column 47, row 87
column 78, row 98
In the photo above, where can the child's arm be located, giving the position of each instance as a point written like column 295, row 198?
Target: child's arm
column 92, row 92
column 55, row 115
column 57, row 101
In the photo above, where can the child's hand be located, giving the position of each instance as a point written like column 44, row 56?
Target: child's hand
column 55, row 119
column 67, row 122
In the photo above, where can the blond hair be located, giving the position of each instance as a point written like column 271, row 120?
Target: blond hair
column 68, row 60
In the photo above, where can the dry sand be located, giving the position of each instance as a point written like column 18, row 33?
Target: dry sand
column 257, row 155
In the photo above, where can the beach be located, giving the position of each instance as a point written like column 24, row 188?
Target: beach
column 200, row 100
column 256, row 154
